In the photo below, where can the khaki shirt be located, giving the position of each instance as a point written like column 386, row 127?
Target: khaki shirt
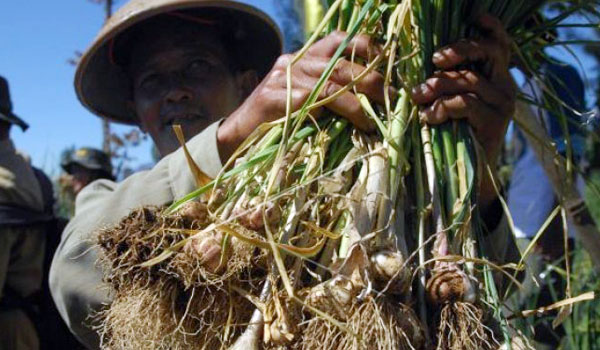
column 75, row 281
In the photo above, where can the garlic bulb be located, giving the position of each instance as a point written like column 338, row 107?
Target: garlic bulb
column 450, row 285
column 194, row 211
column 387, row 265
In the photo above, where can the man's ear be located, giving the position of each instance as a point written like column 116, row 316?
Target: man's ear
column 247, row 81
column 131, row 111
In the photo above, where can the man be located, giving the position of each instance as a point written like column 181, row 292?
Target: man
column 82, row 167
column 25, row 209
column 194, row 62
column 86, row 165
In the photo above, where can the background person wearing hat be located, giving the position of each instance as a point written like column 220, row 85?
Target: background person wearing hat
column 6, row 113
column 25, row 210
column 192, row 62
column 81, row 167
column 86, row 165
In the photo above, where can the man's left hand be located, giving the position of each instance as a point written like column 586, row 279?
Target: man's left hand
column 485, row 98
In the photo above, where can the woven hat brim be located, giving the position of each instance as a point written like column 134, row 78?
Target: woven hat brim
column 104, row 88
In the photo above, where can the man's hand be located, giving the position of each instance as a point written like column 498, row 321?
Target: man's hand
column 268, row 101
column 486, row 98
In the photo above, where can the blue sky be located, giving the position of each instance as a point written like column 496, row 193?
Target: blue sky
column 38, row 37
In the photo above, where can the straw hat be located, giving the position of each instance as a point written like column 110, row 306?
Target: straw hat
column 103, row 86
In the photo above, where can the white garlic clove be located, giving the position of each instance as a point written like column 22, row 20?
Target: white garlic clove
column 387, row 264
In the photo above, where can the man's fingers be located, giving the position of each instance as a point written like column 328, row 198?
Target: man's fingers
column 471, row 51
column 458, row 83
column 347, row 106
column 372, row 85
column 360, row 45
column 494, row 50
column 345, row 72
column 466, row 106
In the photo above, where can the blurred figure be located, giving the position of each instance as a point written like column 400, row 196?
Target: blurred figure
column 531, row 195
column 86, row 165
column 81, row 167
column 25, row 211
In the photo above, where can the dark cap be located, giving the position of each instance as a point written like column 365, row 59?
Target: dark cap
column 6, row 113
column 89, row 158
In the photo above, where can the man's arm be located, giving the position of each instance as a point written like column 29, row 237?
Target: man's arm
column 75, row 280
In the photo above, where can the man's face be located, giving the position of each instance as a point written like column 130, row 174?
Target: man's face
column 180, row 77
column 81, row 177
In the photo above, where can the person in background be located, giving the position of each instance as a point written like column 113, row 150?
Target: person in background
column 25, row 210
column 86, row 165
column 531, row 195
column 81, row 167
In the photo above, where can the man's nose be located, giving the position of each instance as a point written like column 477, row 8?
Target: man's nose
column 178, row 93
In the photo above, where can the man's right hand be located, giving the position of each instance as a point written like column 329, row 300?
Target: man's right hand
column 268, row 101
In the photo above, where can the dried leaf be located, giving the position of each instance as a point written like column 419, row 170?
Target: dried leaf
column 201, row 178
column 566, row 302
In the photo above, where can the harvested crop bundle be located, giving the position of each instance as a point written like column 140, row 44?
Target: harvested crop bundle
column 319, row 235
column 183, row 300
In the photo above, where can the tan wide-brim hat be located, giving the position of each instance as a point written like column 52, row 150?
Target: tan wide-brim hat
column 103, row 86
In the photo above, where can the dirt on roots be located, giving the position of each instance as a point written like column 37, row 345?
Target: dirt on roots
column 176, row 303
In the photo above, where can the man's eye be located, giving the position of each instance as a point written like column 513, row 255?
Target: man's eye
column 150, row 82
column 198, row 68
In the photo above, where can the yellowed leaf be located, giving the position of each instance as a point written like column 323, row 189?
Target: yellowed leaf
column 199, row 176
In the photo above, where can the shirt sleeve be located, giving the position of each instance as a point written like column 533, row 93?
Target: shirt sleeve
column 75, row 279
column 18, row 184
